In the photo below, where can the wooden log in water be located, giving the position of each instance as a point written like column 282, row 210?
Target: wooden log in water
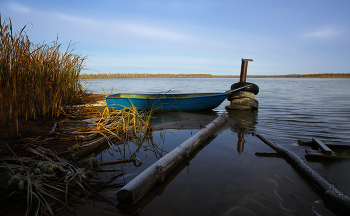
column 322, row 146
column 159, row 187
column 136, row 188
column 329, row 192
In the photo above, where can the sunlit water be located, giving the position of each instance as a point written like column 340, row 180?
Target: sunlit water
column 226, row 176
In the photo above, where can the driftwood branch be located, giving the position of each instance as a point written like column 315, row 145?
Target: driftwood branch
column 124, row 161
column 136, row 188
column 330, row 193
column 91, row 148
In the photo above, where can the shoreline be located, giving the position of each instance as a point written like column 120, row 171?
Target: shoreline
column 219, row 78
column 341, row 76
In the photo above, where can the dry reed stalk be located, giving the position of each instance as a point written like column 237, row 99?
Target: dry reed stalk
column 35, row 80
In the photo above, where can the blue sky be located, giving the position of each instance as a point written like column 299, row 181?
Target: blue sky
column 190, row 36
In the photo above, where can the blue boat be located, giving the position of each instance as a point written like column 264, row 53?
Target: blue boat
column 167, row 102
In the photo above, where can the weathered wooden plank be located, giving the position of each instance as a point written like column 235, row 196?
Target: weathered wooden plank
column 305, row 142
column 318, row 153
column 330, row 145
column 322, row 146
column 333, row 145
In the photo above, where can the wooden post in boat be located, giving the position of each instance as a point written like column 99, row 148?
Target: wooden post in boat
column 137, row 187
column 244, row 67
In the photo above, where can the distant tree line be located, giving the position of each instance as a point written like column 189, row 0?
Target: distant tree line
column 145, row 75
column 142, row 75
column 321, row 75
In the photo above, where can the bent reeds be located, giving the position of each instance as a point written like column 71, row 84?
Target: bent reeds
column 35, row 80
column 122, row 124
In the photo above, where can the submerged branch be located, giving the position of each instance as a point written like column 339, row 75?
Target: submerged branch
column 329, row 192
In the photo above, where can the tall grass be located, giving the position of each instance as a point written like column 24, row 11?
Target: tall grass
column 35, row 80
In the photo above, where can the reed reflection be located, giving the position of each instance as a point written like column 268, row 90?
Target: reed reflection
column 133, row 148
column 245, row 121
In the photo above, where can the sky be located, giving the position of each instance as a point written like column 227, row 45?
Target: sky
column 193, row 37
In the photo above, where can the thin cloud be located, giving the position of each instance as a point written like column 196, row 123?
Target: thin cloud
column 152, row 32
column 159, row 61
column 135, row 28
column 78, row 20
column 324, row 33
column 138, row 29
column 18, row 7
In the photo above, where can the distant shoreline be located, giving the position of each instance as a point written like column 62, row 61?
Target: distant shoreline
column 123, row 76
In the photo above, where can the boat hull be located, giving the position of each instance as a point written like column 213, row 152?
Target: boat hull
column 166, row 102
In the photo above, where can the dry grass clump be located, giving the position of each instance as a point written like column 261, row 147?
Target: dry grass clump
column 120, row 125
column 35, row 80
column 123, row 123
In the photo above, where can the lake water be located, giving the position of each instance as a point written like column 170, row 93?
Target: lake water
column 228, row 175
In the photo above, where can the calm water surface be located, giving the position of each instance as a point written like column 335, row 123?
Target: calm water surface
column 226, row 176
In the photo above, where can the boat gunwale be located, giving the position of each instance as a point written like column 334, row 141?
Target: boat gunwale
column 167, row 96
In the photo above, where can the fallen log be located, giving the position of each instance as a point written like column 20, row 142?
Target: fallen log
column 137, row 187
column 89, row 149
column 329, row 192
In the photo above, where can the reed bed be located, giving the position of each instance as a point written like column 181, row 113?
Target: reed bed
column 35, row 80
